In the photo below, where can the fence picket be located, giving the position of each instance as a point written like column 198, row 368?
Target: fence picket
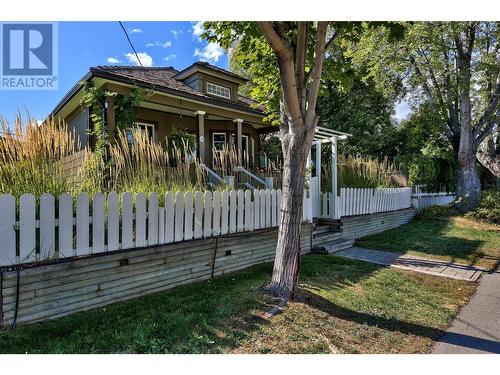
column 161, row 225
column 152, row 219
column 256, row 209
column 224, row 220
column 198, row 214
column 248, row 210
column 113, row 222
column 232, row 211
column 216, row 214
column 140, row 220
column 188, row 216
column 127, row 221
column 273, row 208
column 268, row 208
column 27, row 235
column 98, row 223
column 262, row 209
column 65, row 229
column 240, row 224
column 7, row 231
column 179, row 216
column 207, row 217
column 169, row 217
column 82, row 224
column 47, row 226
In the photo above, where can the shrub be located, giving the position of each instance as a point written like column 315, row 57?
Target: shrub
column 489, row 207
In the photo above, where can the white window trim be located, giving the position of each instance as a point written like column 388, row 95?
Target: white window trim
column 220, row 87
column 146, row 125
column 218, row 133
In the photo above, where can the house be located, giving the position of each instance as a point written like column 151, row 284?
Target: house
column 202, row 99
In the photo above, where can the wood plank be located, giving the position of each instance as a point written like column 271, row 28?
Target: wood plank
column 233, row 205
column 47, row 226
column 65, row 228
column 224, row 220
column 240, row 224
column 188, row 215
column 27, row 230
column 98, row 223
column 152, row 218
column 216, row 213
column 7, row 231
column 127, row 221
column 82, row 224
column 207, row 217
column 113, row 222
column 169, row 217
column 179, row 216
column 140, row 220
column 198, row 214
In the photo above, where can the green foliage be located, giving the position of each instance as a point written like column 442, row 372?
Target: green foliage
column 180, row 140
column 270, row 145
column 489, row 207
column 126, row 107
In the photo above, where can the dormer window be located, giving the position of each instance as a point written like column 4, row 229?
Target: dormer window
column 223, row 92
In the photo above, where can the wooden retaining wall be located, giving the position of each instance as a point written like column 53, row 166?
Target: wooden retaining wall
column 364, row 225
column 54, row 290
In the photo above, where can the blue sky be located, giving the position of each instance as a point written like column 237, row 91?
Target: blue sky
column 86, row 44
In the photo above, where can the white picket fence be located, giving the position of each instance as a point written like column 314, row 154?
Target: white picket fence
column 354, row 201
column 134, row 223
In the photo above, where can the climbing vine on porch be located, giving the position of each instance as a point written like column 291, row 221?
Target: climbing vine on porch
column 126, row 107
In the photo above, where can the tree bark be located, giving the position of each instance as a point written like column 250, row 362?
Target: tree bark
column 287, row 260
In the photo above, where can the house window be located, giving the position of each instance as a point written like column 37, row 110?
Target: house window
column 217, row 90
column 143, row 127
column 246, row 153
column 218, row 141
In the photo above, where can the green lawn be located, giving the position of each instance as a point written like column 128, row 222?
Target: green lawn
column 455, row 239
column 342, row 306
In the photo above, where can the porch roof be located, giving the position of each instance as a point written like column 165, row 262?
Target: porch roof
column 325, row 135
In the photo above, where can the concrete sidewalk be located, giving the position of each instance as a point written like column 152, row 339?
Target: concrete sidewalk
column 476, row 329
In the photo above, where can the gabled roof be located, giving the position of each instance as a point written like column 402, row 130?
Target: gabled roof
column 209, row 68
column 163, row 79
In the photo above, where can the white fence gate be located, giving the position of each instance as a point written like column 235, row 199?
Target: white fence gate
column 354, row 201
column 58, row 228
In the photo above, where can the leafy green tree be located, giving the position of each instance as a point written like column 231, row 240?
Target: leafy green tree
column 293, row 53
column 452, row 66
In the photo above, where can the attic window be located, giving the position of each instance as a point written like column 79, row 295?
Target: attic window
column 217, row 90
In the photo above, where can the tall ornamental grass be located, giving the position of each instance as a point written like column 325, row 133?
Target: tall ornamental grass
column 31, row 157
column 141, row 166
column 363, row 172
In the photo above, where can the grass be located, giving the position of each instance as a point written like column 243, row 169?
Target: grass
column 342, row 306
column 455, row 239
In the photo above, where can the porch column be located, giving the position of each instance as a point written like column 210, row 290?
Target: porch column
column 239, row 123
column 201, row 135
column 318, row 175
column 334, row 178
column 110, row 117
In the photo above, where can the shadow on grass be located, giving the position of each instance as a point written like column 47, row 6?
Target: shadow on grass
column 315, row 301
column 435, row 237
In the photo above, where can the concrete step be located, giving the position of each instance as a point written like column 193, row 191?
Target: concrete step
column 325, row 237
column 333, row 246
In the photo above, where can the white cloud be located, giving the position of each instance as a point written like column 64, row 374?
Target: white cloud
column 159, row 44
column 144, row 58
column 134, row 31
column 198, row 29
column 176, row 33
column 112, row 60
column 210, row 53
column 169, row 57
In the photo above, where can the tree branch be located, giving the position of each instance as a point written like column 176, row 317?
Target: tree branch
column 300, row 63
column 287, row 72
column 312, row 94
column 492, row 108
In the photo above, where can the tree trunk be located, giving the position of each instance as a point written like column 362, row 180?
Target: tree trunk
column 469, row 184
column 287, row 259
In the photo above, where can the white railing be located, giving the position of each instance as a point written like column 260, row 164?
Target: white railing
column 29, row 233
column 364, row 201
